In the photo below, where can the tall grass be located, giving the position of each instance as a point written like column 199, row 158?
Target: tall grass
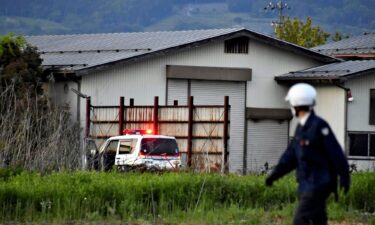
column 26, row 196
column 36, row 134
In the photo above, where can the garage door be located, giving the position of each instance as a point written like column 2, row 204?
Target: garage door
column 177, row 90
column 212, row 93
column 266, row 141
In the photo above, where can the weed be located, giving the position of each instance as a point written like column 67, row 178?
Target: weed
column 169, row 198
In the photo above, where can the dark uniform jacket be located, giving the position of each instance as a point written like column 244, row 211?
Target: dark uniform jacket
column 317, row 157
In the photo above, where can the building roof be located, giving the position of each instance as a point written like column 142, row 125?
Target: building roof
column 339, row 71
column 82, row 52
column 363, row 46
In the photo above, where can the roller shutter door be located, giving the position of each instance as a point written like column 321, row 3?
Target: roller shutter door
column 266, row 141
column 177, row 90
column 212, row 93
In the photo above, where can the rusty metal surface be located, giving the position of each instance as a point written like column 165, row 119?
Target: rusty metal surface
column 173, row 114
column 138, row 113
column 173, row 129
column 100, row 114
column 104, row 130
column 208, row 113
column 208, row 129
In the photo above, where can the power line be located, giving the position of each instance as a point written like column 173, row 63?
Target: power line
column 280, row 7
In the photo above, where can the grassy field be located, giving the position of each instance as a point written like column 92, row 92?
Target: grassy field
column 169, row 198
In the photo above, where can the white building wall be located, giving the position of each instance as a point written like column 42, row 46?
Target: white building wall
column 147, row 78
column 331, row 106
column 358, row 109
column 268, row 62
column 61, row 94
column 358, row 112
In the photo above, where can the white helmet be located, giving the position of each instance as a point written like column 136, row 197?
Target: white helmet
column 301, row 95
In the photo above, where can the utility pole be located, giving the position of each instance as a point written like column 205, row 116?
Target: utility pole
column 278, row 6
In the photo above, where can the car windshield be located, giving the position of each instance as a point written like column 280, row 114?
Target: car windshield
column 159, row 146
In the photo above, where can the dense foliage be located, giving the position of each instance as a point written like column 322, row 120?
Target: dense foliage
column 88, row 16
column 34, row 133
column 302, row 33
column 131, row 196
column 20, row 65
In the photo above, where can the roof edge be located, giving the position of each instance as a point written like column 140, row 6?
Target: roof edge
column 283, row 78
column 241, row 32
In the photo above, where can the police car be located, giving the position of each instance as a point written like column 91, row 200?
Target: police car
column 140, row 148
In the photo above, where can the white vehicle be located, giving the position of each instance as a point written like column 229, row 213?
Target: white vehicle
column 137, row 148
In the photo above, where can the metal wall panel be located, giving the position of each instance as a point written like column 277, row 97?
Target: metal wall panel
column 173, row 114
column 207, row 145
column 145, row 79
column 208, row 129
column 104, row 114
column 138, row 114
column 104, row 130
column 266, row 141
column 61, row 94
column 177, row 90
column 212, row 93
column 209, row 113
column 359, row 108
column 331, row 106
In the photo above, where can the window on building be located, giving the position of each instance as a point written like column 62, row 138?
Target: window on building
column 362, row 144
column 237, row 45
column 372, row 106
column 372, row 144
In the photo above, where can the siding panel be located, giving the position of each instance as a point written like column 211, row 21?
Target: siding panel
column 330, row 106
column 359, row 108
column 177, row 90
column 266, row 141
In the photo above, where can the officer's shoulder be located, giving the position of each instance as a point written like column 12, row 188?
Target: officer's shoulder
column 322, row 125
column 320, row 122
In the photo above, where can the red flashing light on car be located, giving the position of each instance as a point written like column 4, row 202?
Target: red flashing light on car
column 137, row 131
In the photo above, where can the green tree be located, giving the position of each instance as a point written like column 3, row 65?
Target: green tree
column 20, row 64
column 301, row 33
column 337, row 36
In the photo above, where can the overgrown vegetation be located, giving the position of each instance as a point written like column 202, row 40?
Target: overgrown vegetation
column 34, row 134
column 169, row 198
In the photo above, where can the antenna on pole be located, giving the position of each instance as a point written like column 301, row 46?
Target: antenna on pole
column 279, row 6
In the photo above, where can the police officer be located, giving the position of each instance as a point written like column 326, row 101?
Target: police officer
column 317, row 157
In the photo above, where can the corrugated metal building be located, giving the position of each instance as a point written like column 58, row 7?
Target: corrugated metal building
column 354, row 114
column 359, row 81
column 206, row 64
